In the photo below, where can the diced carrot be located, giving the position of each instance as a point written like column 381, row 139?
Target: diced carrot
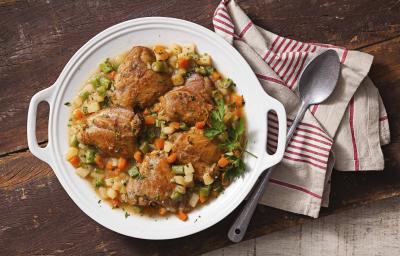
column 174, row 125
column 78, row 114
column 238, row 100
column 122, row 163
column 159, row 143
column 115, row 202
column 75, row 160
column 200, row 125
column 109, row 165
column 171, row 158
column 223, row 162
column 238, row 112
column 162, row 211
column 182, row 216
column 202, row 199
column 138, row 156
column 111, row 75
column 215, row 76
column 149, row 120
column 183, row 63
column 99, row 161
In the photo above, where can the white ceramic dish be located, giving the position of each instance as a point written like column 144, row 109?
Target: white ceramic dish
column 113, row 41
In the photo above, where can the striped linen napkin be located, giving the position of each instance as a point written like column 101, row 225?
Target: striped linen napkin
column 345, row 133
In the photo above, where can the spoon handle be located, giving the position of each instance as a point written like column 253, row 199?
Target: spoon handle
column 239, row 227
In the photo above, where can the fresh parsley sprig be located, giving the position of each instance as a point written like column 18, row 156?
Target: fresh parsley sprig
column 216, row 120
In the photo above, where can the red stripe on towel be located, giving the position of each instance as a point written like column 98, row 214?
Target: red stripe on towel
column 353, row 137
column 295, row 187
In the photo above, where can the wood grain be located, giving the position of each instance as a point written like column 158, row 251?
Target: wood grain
column 38, row 38
column 367, row 230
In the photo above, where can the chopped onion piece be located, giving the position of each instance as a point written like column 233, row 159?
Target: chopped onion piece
column 207, row 179
column 193, row 200
column 82, row 172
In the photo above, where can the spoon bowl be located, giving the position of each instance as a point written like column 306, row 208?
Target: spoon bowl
column 318, row 79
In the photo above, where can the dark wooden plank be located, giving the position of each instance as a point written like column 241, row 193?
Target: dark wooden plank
column 37, row 38
column 41, row 207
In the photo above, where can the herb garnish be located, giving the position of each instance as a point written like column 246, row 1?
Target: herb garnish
column 216, row 120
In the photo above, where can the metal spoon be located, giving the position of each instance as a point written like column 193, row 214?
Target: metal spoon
column 317, row 82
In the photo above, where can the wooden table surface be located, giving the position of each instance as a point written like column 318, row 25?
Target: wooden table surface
column 37, row 38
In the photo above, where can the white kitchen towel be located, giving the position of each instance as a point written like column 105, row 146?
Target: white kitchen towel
column 345, row 132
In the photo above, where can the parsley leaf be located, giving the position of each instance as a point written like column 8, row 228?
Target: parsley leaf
column 234, row 135
column 216, row 120
column 235, row 169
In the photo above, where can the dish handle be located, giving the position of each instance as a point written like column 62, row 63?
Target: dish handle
column 41, row 153
column 268, row 160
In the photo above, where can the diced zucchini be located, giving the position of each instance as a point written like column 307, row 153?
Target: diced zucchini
column 82, row 172
column 180, row 189
column 144, row 147
column 98, row 183
column 104, row 82
column 84, row 95
column 90, row 154
column 106, row 67
column 183, row 126
column 133, row 171
column 178, row 169
column 159, row 66
column 73, row 141
column 176, row 196
column 204, row 191
column 194, row 199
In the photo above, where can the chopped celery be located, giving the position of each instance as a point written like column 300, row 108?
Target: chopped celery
column 106, row 67
column 74, row 141
column 84, row 95
column 183, row 126
column 204, row 191
column 178, row 169
column 144, row 147
column 159, row 66
column 98, row 182
column 176, row 196
column 89, row 156
column 133, row 171
column 104, row 82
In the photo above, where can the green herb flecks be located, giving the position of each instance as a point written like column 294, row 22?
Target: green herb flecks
column 235, row 169
column 234, row 136
column 216, row 120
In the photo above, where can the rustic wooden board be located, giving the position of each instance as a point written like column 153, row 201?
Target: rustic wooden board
column 36, row 41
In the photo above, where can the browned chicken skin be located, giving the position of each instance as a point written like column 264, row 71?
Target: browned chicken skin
column 154, row 185
column 136, row 84
column 193, row 147
column 190, row 103
column 113, row 131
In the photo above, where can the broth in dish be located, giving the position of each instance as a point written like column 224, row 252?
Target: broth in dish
column 158, row 130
